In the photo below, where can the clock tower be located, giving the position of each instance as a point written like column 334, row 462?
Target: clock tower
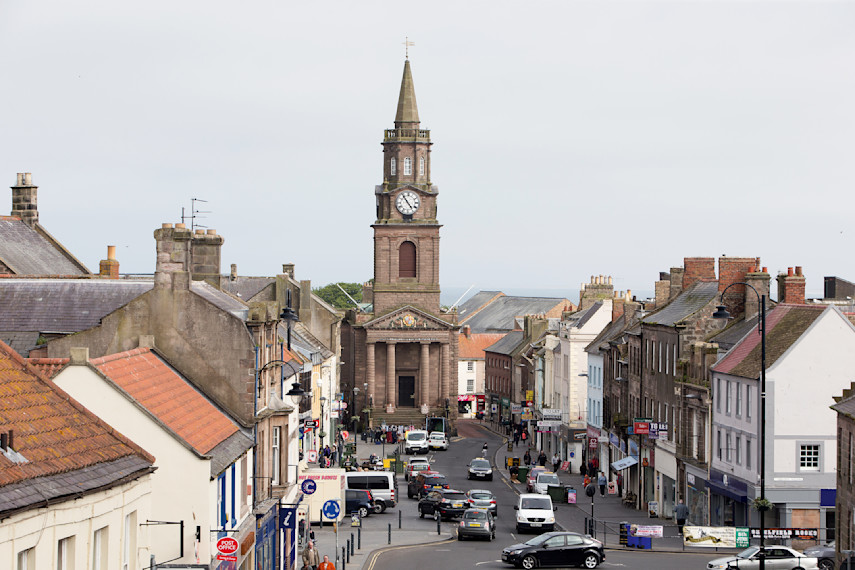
column 401, row 354
column 406, row 232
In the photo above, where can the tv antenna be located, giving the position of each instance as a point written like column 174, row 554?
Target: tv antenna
column 194, row 213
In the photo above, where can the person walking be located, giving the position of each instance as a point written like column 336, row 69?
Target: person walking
column 527, row 458
column 311, row 559
column 516, row 437
column 524, row 437
column 326, row 564
column 681, row 513
column 556, row 462
column 484, row 450
column 541, row 459
column 620, row 484
column 601, row 481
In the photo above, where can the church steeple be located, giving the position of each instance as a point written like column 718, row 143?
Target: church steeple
column 408, row 113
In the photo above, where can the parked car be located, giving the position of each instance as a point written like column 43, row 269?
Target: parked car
column 532, row 477
column 777, row 557
column 480, row 468
column 425, row 482
column 477, row 523
column 443, row 504
column 556, row 549
column 483, row 499
column 382, row 484
column 416, row 441
column 824, row 554
column 415, row 463
column 543, row 481
column 535, row 512
column 358, row 501
column 437, row 440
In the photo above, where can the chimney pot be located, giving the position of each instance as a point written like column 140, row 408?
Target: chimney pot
column 111, row 252
column 765, row 270
column 180, row 226
column 166, row 226
column 199, row 232
column 789, row 271
column 799, row 270
column 211, row 232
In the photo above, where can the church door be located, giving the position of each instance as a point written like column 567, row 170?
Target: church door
column 406, row 391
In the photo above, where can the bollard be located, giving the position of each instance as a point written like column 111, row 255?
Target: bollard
column 390, row 533
column 351, row 544
column 437, row 526
column 359, row 537
column 347, row 550
column 343, row 564
column 322, row 518
column 399, row 519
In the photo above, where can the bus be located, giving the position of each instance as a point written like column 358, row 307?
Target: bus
column 437, row 424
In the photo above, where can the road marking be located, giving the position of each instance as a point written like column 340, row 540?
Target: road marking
column 376, row 554
column 486, row 562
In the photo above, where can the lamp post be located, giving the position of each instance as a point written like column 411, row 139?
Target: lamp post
column 722, row 313
column 321, row 432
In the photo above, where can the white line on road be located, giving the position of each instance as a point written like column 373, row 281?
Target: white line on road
column 487, row 562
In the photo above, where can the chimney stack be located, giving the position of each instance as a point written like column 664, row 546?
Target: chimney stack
column 205, row 250
column 735, row 270
column 467, row 331
column 234, row 274
column 697, row 268
column 25, row 202
column 288, row 269
column 110, row 266
column 791, row 287
column 173, row 257
column 760, row 280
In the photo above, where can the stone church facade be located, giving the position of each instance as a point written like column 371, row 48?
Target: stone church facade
column 402, row 356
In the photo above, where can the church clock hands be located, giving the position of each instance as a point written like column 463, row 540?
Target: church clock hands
column 407, row 202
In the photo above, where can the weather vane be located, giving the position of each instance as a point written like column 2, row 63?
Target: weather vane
column 407, row 44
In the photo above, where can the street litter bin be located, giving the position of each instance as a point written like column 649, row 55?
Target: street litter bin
column 523, row 473
column 556, row 493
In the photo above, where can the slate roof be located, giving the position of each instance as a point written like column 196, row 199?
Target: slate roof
column 784, row 326
column 687, row 303
column 728, row 337
column 246, row 287
column 63, row 305
column 473, row 347
column 21, row 342
column 220, row 299
column 68, row 450
column 845, row 405
column 580, row 318
column 507, row 344
column 28, row 251
column 476, row 302
column 175, row 402
column 499, row 315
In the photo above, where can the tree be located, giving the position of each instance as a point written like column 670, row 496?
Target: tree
column 334, row 296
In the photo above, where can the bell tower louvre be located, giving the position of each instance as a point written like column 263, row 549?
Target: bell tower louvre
column 402, row 355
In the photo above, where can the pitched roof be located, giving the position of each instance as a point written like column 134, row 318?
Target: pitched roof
column 48, row 367
column 476, row 302
column 220, row 299
column 21, row 342
column 687, row 303
column 157, row 387
column 32, row 251
column 246, row 287
column 68, row 450
column 507, row 344
column 580, row 318
column 63, row 305
column 500, row 314
column 473, row 346
column 845, row 404
column 785, row 324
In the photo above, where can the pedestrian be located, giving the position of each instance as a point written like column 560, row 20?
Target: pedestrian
column 326, row 564
column 484, row 450
column 583, row 469
column 681, row 513
column 556, row 462
column 527, row 458
column 311, row 559
column 586, row 480
column 620, row 485
column 516, row 437
column 541, row 459
column 601, row 481
column 524, row 437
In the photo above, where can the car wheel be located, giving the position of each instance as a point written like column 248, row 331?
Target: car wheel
column 825, row 564
column 379, row 508
column 529, row 562
column 436, row 515
column 591, row 560
column 421, row 513
column 409, row 494
column 363, row 512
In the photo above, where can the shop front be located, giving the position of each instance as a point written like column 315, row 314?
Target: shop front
column 267, row 539
column 666, row 473
column 697, row 496
column 469, row 404
column 728, row 500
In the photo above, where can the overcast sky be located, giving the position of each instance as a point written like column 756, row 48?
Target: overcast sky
column 570, row 138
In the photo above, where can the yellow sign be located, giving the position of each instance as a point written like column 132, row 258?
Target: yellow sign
column 529, row 395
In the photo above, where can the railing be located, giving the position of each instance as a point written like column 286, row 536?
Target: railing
column 401, row 134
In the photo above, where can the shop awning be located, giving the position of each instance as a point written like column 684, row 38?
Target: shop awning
column 624, row 463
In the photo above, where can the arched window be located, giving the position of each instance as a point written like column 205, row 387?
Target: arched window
column 421, row 166
column 408, row 166
column 407, row 259
column 393, row 167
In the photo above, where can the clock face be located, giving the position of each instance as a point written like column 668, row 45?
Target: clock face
column 407, row 202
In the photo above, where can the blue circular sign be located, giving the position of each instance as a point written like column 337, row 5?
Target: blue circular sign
column 331, row 509
column 309, row 486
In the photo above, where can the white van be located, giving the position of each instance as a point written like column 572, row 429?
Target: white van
column 535, row 512
column 329, row 486
column 382, row 484
column 416, row 441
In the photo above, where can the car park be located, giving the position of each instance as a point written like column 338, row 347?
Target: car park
column 425, row 482
column 358, row 501
column 480, row 468
column 437, row 440
column 443, row 504
column 777, row 557
column 824, row 554
column 535, row 512
column 416, row 441
column 483, row 499
column 532, row 477
column 477, row 523
column 543, row 481
column 556, row 549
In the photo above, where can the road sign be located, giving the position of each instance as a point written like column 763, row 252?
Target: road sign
column 331, row 509
column 227, row 545
column 309, row 486
column 312, row 456
column 310, row 424
column 345, row 434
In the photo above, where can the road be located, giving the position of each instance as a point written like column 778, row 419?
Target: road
column 485, row 554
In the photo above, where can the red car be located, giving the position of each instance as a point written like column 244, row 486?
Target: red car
column 532, row 477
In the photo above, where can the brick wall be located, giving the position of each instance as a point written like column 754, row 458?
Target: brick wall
column 791, row 286
column 734, row 270
column 697, row 268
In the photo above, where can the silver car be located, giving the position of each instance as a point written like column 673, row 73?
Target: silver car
column 777, row 558
column 477, row 522
column 483, row 499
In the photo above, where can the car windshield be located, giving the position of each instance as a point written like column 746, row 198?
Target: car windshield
column 538, row 540
column 419, row 467
column 454, row 496
column 477, row 515
column 481, row 495
column 748, row 552
column 548, row 479
column 536, row 503
column 481, row 463
column 415, row 437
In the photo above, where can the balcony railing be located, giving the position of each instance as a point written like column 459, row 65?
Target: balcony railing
column 406, row 134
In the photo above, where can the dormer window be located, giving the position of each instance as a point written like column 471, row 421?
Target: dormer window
column 408, row 166
column 421, row 166
column 393, row 166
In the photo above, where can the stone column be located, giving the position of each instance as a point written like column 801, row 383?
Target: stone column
column 391, row 378
column 369, row 370
column 443, row 366
column 424, row 374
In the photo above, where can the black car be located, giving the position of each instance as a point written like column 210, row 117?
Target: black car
column 443, row 504
column 556, row 549
column 480, row 469
column 424, row 483
column 824, row 554
column 358, row 501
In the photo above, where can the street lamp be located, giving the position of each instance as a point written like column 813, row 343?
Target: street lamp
column 321, row 432
column 722, row 313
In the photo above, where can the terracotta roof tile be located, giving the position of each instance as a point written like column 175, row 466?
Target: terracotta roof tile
column 473, row 346
column 156, row 386
column 48, row 367
column 54, row 432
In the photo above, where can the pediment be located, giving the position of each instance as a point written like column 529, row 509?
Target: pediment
column 408, row 319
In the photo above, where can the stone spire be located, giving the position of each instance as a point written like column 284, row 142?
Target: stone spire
column 408, row 113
